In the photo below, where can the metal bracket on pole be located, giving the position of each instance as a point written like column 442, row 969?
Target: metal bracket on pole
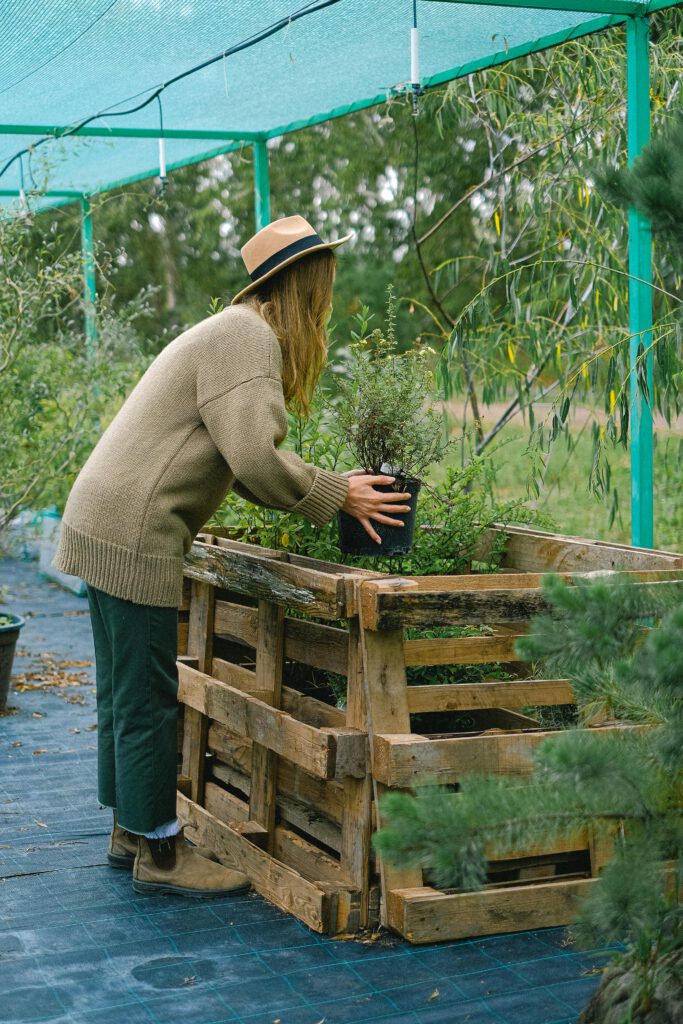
column 640, row 292
column 89, row 284
column 261, row 184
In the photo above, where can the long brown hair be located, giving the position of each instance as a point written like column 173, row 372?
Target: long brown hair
column 296, row 303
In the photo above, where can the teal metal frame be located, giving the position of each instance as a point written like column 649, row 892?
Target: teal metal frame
column 261, row 185
column 640, row 293
column 89, row 281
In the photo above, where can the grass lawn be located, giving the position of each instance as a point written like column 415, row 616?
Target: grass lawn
column 565, row 495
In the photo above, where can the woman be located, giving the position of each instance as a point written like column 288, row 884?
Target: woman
column 207, row 417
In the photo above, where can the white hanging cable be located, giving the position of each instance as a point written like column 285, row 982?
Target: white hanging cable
column 162, row 149
column 416, row 89
column 23, row 204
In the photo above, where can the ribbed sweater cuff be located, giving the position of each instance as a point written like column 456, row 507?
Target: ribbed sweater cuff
column 325, row 498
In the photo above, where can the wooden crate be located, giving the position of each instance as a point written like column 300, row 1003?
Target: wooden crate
column 286, row 785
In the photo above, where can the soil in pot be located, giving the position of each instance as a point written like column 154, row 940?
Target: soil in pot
column 396, row 540
column 9, row 634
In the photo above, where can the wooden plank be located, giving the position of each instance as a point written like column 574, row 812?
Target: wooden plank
column 402, row 760
column 539, row 551
column 310, row 643
column 200, row 647
column 242, row 679
column 467, row 650
column 305, row 858
column 425, row 915
column 308, row 819
column 356, row 826
column 183, row 630
column 324, row 799
column 269, row 664
column 318, row 751
column 386, row 700
column 280, row 884
column 237, row 622
column 310, row 710
column 513, row 580
column 225, row 805
column 268, row 579
column 311, row 748
column 470, row 696
column 415, row 607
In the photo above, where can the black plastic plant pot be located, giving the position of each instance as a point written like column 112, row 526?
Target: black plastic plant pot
column 9, row 634
column 396, row 540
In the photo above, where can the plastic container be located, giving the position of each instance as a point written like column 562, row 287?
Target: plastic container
column 9, row 634
column 396, row 540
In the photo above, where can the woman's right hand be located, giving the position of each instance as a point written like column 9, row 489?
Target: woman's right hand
column 366, row 504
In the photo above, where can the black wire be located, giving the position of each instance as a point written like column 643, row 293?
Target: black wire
column 257, row 37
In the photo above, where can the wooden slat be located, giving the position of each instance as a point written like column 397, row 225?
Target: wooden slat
column 324, row 799
column 310, row 643
column 307, row 819
column 424, row 915
column 470, row 696
column 280, row 884
column 268, row 578
column 310, row 710
column 357, row 811
column 401, row 760
column 237, row 622
column 199, row 646
column 305, row 858
column 538, row 551
column 467, row 650
column 385, row 688
column 225, row 805
column 240, row 678
column 318, row 751
column 269, row 664
column 415, row 607
column 512, row 580
column 309, row 747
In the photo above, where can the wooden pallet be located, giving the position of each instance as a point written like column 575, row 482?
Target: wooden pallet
column 286, row 785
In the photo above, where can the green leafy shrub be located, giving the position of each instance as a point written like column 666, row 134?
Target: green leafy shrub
column 382, row 414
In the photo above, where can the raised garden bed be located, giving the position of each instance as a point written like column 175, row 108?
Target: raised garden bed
column 286, row 784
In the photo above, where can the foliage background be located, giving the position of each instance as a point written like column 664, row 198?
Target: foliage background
column 483, row 215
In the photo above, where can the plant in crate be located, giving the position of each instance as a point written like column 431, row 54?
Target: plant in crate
column 626, row 784
column 383, row 418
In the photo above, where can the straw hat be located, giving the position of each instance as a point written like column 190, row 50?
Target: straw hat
column 277, row 245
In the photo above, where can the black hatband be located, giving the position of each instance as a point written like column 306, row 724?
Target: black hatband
column 292, row 249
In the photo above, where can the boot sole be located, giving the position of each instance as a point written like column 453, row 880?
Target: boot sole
column 159, row 889
column 120, row 861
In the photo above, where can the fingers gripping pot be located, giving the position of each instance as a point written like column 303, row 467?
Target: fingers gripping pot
column 396, row 540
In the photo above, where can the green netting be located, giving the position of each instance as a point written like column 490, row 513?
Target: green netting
column 61, row 62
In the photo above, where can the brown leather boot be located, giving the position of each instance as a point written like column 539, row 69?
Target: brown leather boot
column 172, row 866
column 123, row 846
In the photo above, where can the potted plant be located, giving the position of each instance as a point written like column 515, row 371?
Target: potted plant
column 384, row 421
column 9, row 634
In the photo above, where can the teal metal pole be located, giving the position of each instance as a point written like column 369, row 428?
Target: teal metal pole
column 640, row 291
column 89, row 286
column 261, row 184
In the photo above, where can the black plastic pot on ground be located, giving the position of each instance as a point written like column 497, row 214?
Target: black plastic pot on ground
column 9, row 634
column 396, row 540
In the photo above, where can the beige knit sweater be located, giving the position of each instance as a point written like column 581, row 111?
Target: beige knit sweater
column 207, row 416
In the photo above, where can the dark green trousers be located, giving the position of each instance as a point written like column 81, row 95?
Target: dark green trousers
column 137, row 709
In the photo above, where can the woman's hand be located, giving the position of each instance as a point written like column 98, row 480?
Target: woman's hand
column 365, row 503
